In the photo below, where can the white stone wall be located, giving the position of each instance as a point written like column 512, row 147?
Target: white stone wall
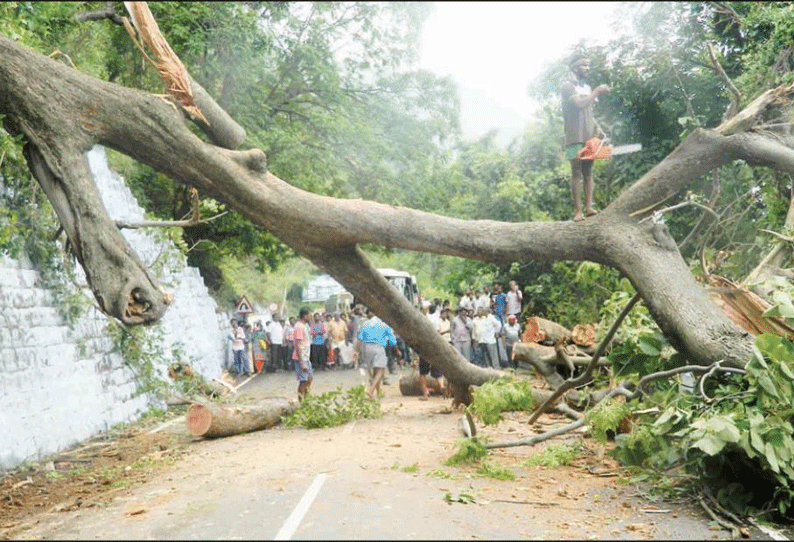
column 60, row 384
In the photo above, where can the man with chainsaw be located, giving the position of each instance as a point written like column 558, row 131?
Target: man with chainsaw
column 577, row 112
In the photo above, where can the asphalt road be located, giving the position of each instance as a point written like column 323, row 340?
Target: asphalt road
column 370, row 479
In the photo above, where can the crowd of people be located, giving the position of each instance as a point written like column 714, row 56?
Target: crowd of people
column 484, row 329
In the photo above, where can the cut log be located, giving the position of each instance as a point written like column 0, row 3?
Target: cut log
column 212, row 420
column 532, row 332
column 409, row 385
column 583, row 334
column 540, row 330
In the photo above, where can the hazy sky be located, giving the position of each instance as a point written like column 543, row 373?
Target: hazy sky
column 493, row 50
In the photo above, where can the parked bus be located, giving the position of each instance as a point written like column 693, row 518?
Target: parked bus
column 403, row 281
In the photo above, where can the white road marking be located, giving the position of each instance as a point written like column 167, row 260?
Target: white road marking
column 294, row 519
column 244, row 382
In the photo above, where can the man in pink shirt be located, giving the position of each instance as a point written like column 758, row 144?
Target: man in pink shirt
column 300, row 353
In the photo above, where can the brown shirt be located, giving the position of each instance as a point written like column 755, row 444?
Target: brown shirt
column 579, row 122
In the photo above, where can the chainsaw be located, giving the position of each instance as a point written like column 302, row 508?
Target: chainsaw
column 600, row 149
column 624, row 149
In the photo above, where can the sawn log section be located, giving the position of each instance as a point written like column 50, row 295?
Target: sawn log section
column 213, row 420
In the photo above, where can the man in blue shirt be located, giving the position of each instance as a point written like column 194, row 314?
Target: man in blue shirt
column 499, row 301
column 319, row 352
column 373, row 339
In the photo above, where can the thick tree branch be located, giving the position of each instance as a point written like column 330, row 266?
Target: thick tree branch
column 83, row 111
column 108, row 12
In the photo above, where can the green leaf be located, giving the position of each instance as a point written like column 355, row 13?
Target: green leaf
column 786, row 370
column 756, row 441
column 787, row 311
column 771, row 456
column 666, row 416
column 766, row 382
column 710, row 444
column 650, row 346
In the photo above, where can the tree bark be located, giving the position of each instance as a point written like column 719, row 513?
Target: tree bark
column 544, row 360
column 409, row 385
column 212, row 420
column 63, row 113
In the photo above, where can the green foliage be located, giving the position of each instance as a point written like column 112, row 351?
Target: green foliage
column 470, row 450
column 588, row 287
column 740, row 442
column 463, row 498
column 781, row 297
column 605, row 417
column 439, row 473
column 412, row 468
column 491, row 469
column 332, row 408
column 640, row 347
column 142, row 351
column 767, row 47
column 637, row 447
column 642, row 353
column 554, row 456
column 505, row 394
column 27, row 225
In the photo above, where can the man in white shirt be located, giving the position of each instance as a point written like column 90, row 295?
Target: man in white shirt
column 467, row 300
column 434, row 313
column 487, row 328
column 275, row 335
column 514, row 298
column 481, row 301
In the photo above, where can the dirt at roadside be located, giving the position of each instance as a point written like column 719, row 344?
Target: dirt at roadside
column 90, row 475
column 411, row 439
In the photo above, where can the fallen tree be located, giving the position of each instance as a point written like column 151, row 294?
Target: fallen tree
column 61, row 121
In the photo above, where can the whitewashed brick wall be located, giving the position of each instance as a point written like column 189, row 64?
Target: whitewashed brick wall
column 60, row 385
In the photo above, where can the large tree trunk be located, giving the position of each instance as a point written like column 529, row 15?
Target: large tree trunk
column 63, row 113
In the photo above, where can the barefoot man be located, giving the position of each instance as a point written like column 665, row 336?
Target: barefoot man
column 577, row 112
column 373, row 339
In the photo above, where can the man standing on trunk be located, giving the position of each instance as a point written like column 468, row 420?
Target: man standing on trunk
column 577, row 112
